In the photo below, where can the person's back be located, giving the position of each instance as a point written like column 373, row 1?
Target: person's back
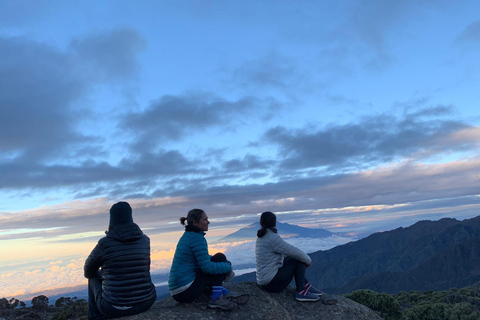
column 267, row 259
column 128, row 252
column 277, row 262
column 123, row 285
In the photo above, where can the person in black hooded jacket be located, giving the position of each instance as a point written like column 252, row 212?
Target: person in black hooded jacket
column 118, row 269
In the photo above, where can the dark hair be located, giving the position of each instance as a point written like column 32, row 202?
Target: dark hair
column 193, row 215
column 267, row 220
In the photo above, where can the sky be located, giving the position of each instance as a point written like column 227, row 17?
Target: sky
column 352, row 116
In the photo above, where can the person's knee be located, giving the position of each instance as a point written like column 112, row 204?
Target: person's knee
column 218, row 257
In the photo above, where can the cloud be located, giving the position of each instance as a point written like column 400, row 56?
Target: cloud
column 249, row 162
column 335, row 43
column 162, row 260
column 38, row 86
column 367, row 29
column 133, row 174
column 110, row 55
column 170, row 118
column 470, row 35
column 14, row 13
column 231, row 189
column 370, row 141
column 391, row 184
column 42, row 277
column 163, row 163
column 271, row 71
column 364, row 38
column 85, row 220
column 41, row 140
column 402, row 183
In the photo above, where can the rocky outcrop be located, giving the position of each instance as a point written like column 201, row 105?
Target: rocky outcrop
column 262, row 305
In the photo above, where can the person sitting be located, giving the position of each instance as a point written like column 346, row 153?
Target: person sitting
column 193, row 270
column 122, row 286
column 278, row 262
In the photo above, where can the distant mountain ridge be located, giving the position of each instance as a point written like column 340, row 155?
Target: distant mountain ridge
column 434, row 255
column 286, row 230
column 457, row 266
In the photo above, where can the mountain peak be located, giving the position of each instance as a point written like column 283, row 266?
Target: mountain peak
column 285, row 230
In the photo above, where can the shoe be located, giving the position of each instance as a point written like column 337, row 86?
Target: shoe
column 239, row 298
column 229, row 277
column 306, row 297
column 222, row 303
column 314, row 290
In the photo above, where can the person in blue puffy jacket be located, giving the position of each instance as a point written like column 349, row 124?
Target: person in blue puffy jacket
column 193, row 270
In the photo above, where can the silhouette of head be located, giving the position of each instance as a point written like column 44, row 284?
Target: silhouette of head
column 267, row 220
column 193, row 215
column 120, row 213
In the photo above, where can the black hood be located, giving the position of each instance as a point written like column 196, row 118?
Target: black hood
column 125, row 232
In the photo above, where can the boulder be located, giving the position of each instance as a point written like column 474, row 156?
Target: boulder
column 262, row 305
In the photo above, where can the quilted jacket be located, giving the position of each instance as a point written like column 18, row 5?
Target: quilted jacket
column 190, row 256
column 269, row 253
column 124, row 258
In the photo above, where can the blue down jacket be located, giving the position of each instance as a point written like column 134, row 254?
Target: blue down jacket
column 191, row 255
column 124, row 258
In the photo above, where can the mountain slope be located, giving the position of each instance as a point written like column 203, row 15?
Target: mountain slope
column 457, row 266
column 402, row 259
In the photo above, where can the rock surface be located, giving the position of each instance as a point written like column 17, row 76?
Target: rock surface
column 262, row 305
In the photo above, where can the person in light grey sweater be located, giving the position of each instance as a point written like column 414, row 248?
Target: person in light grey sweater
column 278, row 262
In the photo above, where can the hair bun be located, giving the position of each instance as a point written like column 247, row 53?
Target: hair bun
column 182, row 220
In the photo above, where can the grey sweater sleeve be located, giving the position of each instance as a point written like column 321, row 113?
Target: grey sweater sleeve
column 286, row 249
